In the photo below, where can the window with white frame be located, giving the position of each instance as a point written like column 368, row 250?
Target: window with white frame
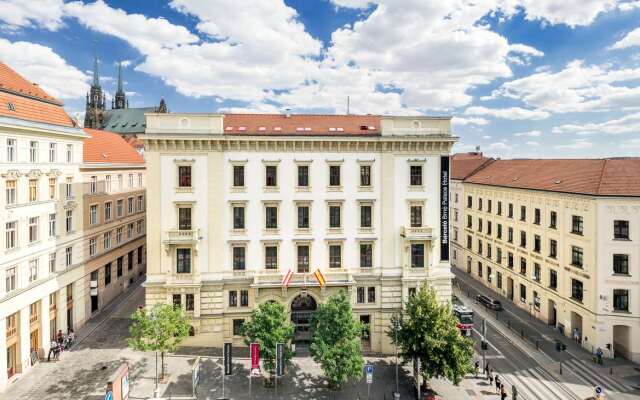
column 94, row 185
column 130, row 209
column 365, row 175
column 33, row 229
column 303, row 211
column 120, row 182
column 107, row 183
column 11, row 150
column 52, row 188
column 238, row 176
column 93, row 214
column 130, row 230
column 10, row 279
column 238, row 216
column 271, row 216
column 53, row 152
column 107, row 210
column 33, row 190
column 139, row 227
column 52, row 262
column 271, row 176
column 11, row 235
column 68, row 256
column 69, row 153
column 131, row 180
column 139, row 179
column 119, row 207
column 106, row 240
column 69, row 221
column 119, row 233
column 366, row 215
column 93, row 246
column 335, row 215
column 238, row 253
column 140, row 204
column 334, row 175
column 33, row 270
column 33, row 151
column 416, row 216
column 303, row 175
column 415, row 175
column 52, row 224
column 271, row 256
column 303, row 252
column 184, row 218
column 335, row 255
column 69, row 186
column 366, row 254
column 11, row 193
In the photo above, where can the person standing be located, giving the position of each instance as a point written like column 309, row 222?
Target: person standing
column 498, row 384
column 491, row 377
column 503, row 392
column 477, row 367
column 486, row 370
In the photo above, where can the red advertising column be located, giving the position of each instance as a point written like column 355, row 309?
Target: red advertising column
column 254, row 349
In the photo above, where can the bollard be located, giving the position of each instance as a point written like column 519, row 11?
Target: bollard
column 611, row 371
column 560, row 367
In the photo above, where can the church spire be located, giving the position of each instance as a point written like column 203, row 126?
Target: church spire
column 96, row 74
column 95, row 106
column 120, row 98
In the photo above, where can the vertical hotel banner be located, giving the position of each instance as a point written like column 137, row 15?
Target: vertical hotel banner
column 444, row 208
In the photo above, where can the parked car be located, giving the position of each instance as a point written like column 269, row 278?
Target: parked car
column 489, row 302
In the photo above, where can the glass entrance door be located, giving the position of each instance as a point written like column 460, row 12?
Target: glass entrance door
column 302, row 310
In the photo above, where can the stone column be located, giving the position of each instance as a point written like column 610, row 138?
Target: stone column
column 24, row 344
column 44, row 324
column 3, row 353
column 61, row 312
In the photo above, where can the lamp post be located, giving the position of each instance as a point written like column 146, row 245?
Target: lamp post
column 153, row 318
column 396, row 394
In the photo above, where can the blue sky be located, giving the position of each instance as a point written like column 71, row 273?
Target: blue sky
column 522, row 78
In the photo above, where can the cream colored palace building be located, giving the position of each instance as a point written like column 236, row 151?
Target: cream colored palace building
column 559, row 238
column 239, row 200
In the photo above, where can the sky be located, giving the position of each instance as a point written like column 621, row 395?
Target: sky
column 521, row 78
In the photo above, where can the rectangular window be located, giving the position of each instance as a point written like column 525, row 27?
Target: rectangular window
column 469, row 242
column 576, row 256
column 553, row 219
column 93, row 246
column 510, row 212
column 553, row 279
column 469, row 201
column 271, row 257
column 130, row 180
column 120, row 184
column 479, row 224
column 189, row 306
column 489, row 228
column 360, row 295
column 498, row 255
column 69, row 153
column 536, row 272
column 415, row 178
column 621, row 264
column 480, row 203
column 469, row 221
column 523, row 239
column 130, row 230
column 371, row 294
column 523, row 213
column 621, row 300
column 479, row 246
column 577, row 224
column 417, row 255
column 52, row 262
column 237, row 327
column 139, row 180
column 510, row 235
column 499, row 211
column 239, row 259
column 335, row 256
column 119, row 207
column 416, row 216
column 334, row 175
column 119, row 235
column 10, row 279
column 93, row 185
column 365, row 216
column 499, row 232
column 303, row 217
column 523, row 266
column 130, row 209
column 184, row 176
column 107, row 274
column 69, row 221
column 139, row 226
column 576, row 290
column 33, row 190
column 489, row 205
column 93, row 214
column 177, row 301
column 620, row 229
column 33, row 229
column 233, row 298
column 183, row 261
column 33, row 151
column 119, row 266
column 537, row 243
column 107, row 211
column 68, row 256
column 129, row 261
column 303, row 258
column 11, row 196
column 52, row 225
column 106, row 240
column 68, row 186
column 11, row 150
column 523, row 293
column 271, row 217
column 238, row 175
column 553, row 248
column 139, row 255
column 498, row 280
column 33, row 270
column 244, row 298
column 480, row 269
column 271, row 176
column 52, row 188
column 303, row 175
column 366, row 255
column 140, row 203
column 334, row 216
column 510, row 260
column 184, row 218
column 365, row 175
column 536, row 216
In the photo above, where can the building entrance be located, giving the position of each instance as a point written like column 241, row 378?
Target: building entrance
column 303, row 307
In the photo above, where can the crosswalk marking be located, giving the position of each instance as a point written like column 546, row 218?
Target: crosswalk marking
column 590, row 377
column 536, row 384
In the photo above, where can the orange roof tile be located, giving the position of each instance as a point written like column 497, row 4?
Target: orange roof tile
column 604, row 177
column 23, row 100
column 464, row 164
column 301, row 124
column 108, row 147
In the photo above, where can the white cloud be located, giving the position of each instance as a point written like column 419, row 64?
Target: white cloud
column 500, row 146
column 569, row 12
column 532, row 143
column 352, row 3
column 629, row 40
column 576, row 88
column 486, row 137
column 575, row 144
column 533, row 133
column 125, row 63
column 629, row 6
column 45, row 14
column 461, row 121
column 628, row 124
column 511, row 113
column 43, row 66
column 631, row 144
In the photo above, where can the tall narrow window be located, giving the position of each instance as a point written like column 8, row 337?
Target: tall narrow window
column 365, row 175
column 11, row 150
column 523, row 213
column 183, row 261
column 303, row 175
column 33, row 190
column 238, row 175
column 107, row 274
column 107, row 183
column 553, row 248
column 69, row 221
column 94, row 185
column 33, row 151
column 238, row 217
column 107, row 211
column 303, row 217
column 577, row 290
column 271, row 176
column 239, row 258
column 68, row 256
column 52, row 224
column 184, row 218
column 53, row 152
column 303, row 258
column 576, row 256
column 69, row 153
column 52, row 262
column 68, row 186
column 334, row 216
column 52, row 188
column 271, row 257
column 365, row 216
column 335, row 256
column 334, row 175
column 93, row 214
column 11, row 194
column 184, row 176
column 366, row 255
column 271, row 217
column 10, row 279
column 416, row 216
column 33, row 270
column 11, row 235
column 417, row 255
column 33, row 229
column 536, row 216
column 553, row 219
column 577, row 226
column 93, row 246
column 415, row 178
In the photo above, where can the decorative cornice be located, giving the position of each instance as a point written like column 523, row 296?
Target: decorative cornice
column 70, row 205
column 12, row 174
column 54, row 173
column 34, row 173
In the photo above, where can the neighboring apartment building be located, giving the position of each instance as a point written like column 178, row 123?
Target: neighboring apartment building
column 241, row 200
column 560, row 238
column 114, row 218
column 41, row 216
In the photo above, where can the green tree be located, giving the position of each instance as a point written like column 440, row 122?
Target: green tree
column 426, row 329
column 269, row 325
column 336, row 342
column 162, row 328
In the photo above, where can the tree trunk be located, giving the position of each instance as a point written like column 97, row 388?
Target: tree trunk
column 162, row 365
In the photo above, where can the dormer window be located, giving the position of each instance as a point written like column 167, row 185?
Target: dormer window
column 10, row 106
column 228, row 128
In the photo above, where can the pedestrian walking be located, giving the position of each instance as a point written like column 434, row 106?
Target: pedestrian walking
column 477, row 367
column 503, row 392
column 490, row 377
column 498, row 384
column 60, row 337
column 486, row 371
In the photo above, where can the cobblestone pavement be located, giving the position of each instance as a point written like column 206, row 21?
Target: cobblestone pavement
column 82, row 373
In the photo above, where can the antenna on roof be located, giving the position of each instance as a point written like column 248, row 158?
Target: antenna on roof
column 347, row 105
column 477, row 149
column 288, row 112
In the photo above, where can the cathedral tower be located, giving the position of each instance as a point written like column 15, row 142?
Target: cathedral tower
column 120, row 100
column 95, row 108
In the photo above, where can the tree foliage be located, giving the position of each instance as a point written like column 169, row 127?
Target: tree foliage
column 336, row 340
column 162, row 328
column 269, row 325
column 427, row 330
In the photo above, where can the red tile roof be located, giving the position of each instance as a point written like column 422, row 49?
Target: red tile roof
column 464, row 164
column 301, row 124
column 21, row 99
column 108, row 147
column 603, row 177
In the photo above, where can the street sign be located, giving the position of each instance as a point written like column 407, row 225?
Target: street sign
column 109, row 396
column 254, row 351
column 369, row 370
column 228, row 358
column 599, row 391
column 279, row 359
column 195, row 374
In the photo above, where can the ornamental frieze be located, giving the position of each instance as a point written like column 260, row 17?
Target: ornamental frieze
column 12, row 174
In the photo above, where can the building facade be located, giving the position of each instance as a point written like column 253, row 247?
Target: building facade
column 113, row 176
column 241, row 200
column 558, row 238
